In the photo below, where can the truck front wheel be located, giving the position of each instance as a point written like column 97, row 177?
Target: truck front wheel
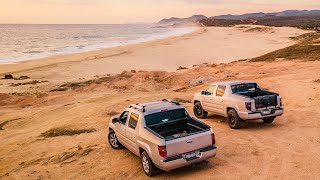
column 198, row 111
column 268, row 119
column 113, row 140
column 147, row 165
column 234, row 120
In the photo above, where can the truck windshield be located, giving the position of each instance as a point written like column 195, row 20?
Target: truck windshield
column 239, row 88
column 165, row 116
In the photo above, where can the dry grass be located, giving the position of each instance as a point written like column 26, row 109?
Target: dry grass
column 182, row 100
column 180, row 89
column 28, row 83
column 258, row 29
column 6, row 122
column 65, row 132
column 181, row 68
column 243, row 27
column 317, row 81
column 112, row 113
column 305, row 49
column 76, row 85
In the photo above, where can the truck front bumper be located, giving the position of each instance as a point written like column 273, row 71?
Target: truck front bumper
column 258, row 114
column 178, row 160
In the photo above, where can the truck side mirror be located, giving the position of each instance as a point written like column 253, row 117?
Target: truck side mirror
column 115, row 120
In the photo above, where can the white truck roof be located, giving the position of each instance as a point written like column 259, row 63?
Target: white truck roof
column 156, row 106
column 233, row 82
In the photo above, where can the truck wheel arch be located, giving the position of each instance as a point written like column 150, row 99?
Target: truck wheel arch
column 230, row 108
column 144, row 147
column 141, row 150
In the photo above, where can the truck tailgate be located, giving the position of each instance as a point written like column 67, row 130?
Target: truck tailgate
column 265, row 101
column 188, row 143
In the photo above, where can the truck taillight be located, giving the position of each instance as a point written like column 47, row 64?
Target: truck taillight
column 248, row 106
column 213, row 139
column 162, row 151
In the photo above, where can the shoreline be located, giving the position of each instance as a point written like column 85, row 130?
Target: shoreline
column 92, row 45
column 90, row 54
column 212, row 45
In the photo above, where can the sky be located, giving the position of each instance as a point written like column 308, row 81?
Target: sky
column 133, row 11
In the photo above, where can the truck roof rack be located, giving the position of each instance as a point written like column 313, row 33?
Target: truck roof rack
column 142, row 108
column 137, row 107
column 172, row 101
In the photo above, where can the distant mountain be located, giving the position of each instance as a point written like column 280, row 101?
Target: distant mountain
column 261, row 14
column 243, row 16
column 310, row 22
column 287, row 13
column 174, row 20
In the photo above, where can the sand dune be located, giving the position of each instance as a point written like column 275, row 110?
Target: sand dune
column 287, row 149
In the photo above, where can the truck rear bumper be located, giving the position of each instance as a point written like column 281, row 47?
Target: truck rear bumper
column 178, row 160
column 258, row 114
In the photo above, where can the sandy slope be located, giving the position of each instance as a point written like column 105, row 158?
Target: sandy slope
column 286, row 149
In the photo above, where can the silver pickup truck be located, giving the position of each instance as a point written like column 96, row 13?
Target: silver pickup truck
column 163, row 135
column 238, row 101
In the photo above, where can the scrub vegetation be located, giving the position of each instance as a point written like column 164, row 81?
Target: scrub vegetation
column 65, row 132
column 308, row 48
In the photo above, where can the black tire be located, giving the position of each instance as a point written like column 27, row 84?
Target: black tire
column 198, row 111
column 113, row 140
column 147, row 165
column 268, row 120
column 234, row 120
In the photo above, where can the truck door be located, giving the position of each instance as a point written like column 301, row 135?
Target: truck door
column 207, row 98
column 121, row 134
column 218, row 100
column 131, row 132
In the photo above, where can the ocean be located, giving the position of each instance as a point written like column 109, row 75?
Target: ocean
column 26, row 42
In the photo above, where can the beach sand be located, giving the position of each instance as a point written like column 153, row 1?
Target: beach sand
column 210, row 45
column 287, row 149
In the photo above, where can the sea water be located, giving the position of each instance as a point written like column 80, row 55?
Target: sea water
column 26, row 42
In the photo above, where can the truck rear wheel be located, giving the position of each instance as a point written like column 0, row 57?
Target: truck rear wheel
column 234, row 120
column 148, row 167
column 268, row 119
column 198, row 111
column 113, row 140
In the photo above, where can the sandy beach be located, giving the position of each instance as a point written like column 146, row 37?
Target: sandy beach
column 95, row 88
column 209, row 45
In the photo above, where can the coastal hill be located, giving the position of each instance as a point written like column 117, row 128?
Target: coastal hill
column 174, row 20
column 286, row 13
column 309, row 22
